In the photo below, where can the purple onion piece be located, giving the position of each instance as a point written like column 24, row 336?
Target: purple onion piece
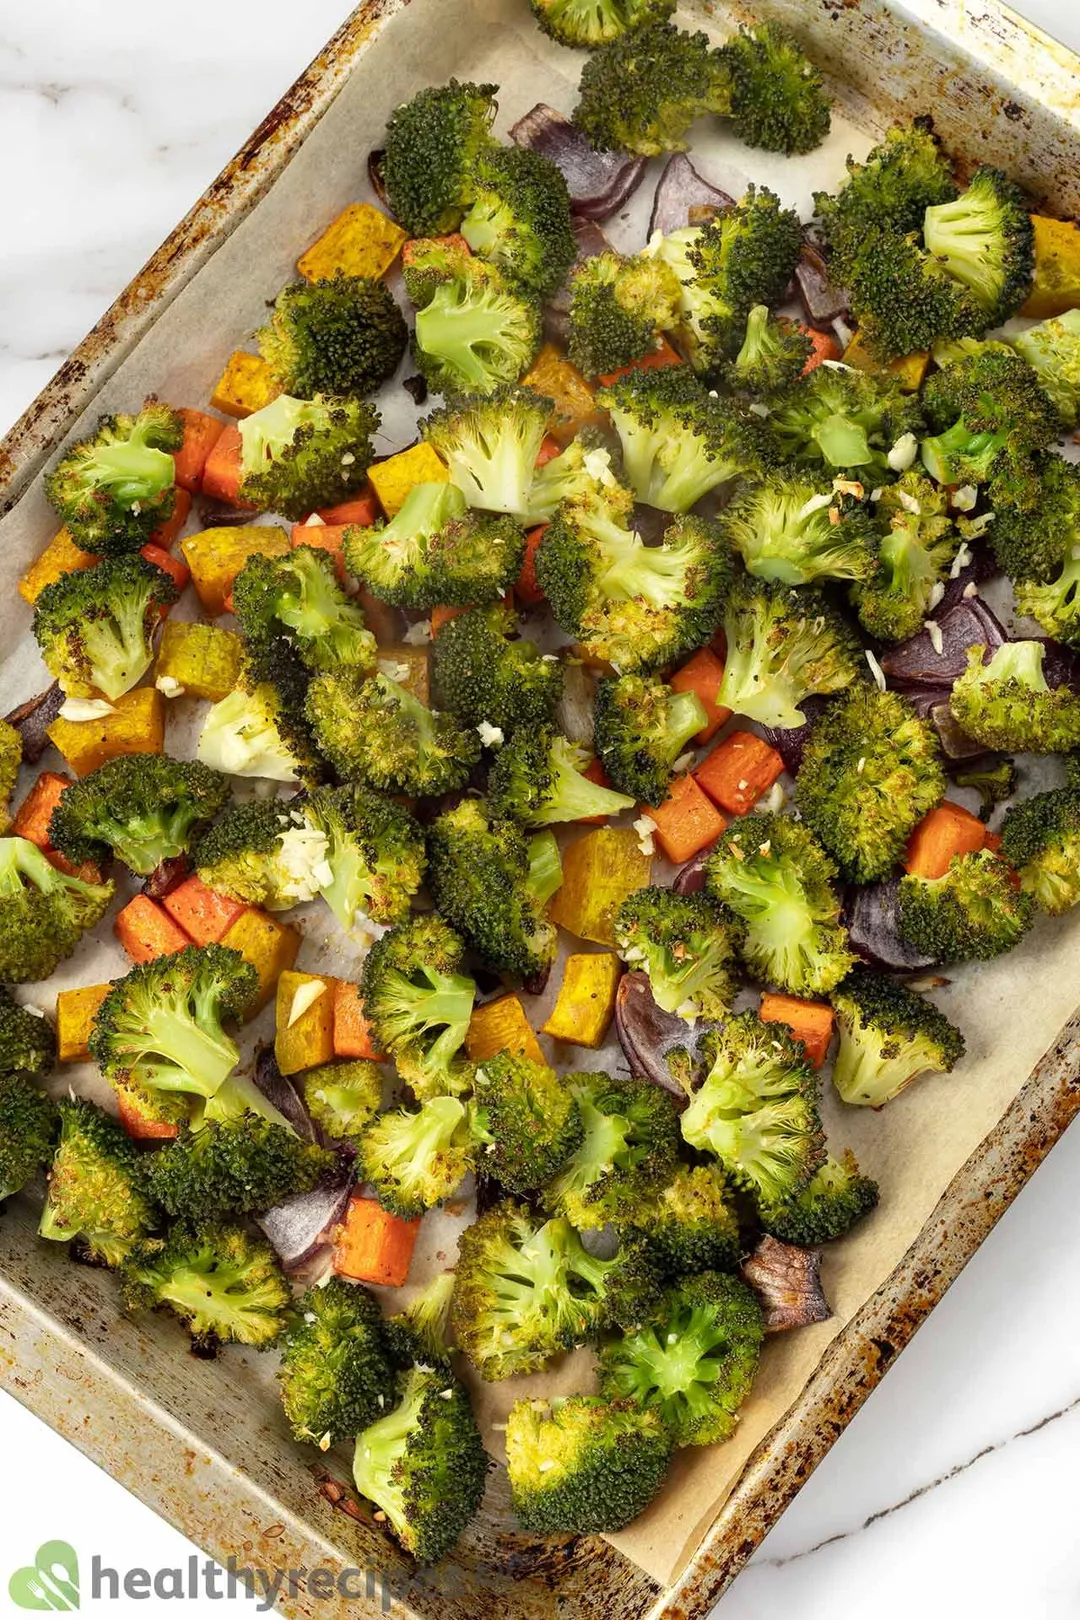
column 690, row 879
column 932, row 703
column 649, row 1036
column 916, row 662
column 33, row 718
column 302, row 1225
column 165, row 876
column 599, row 183
column 680, row 189
column 791, row 744
column 871, row 923
column 591, row 241
column 1061, row 665
column 822, row 302
column 281, row 1094
column 787, row 1282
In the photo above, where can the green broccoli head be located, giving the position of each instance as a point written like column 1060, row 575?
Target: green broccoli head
column 28, row 1126
column 845, row 420
column 774, row 353
column 376, row 733
column 258, row 852
column 1040, row 839
column 336, row 1377
column 43, row 912
column 479, row 878
column 161, row 1027
column 490, row 444
column 421, row 1334
column 641, row 728
column 527, row 1121
column 257, row 731
column 589, row 23
column 300, row 454
column 641, row 91
column 234, row 1169
column 417, row 1002
column 113, row 489
column 972, row 913
column 904, row 299
column 373, row 859
column 827, row 1208
column 795, row 529
column 474, row 327
column 691, row 1224
column 433, row 144
column 582, row 1465
column 778, row 100
column 519, row 218
column 537, row 778
column 1052, row 349
column 95, row 627
column 482, row 676
column 686, row 945
column 889, row 1035
column 27, row 1040
column 98, row 1189
column 224, row 1284
column 888, row 192
column 742, row 257
column 1006, row 702
column 142, row 808
column 298, row 596
column 870, row 772
column 918, row 544
column 991, row 420
column 619, row 308
column 782, row 646
column 985, row 239
column 342, row 1097
column 1037, row 545
column 342, row 336
column 423, row 1465
column 437, row 552
column 630, row 1133
column 694, row 1365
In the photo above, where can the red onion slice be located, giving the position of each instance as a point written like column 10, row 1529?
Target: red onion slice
column 599, row 183
column 302, row 1225
column 33, row 718
column 680, row 189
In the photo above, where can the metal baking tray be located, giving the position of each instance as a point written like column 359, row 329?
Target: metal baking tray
column 187, row 1437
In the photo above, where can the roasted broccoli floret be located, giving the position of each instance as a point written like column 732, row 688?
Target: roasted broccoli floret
column 1040, row 550
column 582, row 1465
column 972, row 913
column 235, row 1169
column 641, row 728
column 377, row 733
column 484, row 677
column 519, row 217
column 1040, row 839
column 679, row 441
column 846, row 420
column 771, row 872
column 1006, row 702
column 336, row 1377
column 526, row 1119
column 994, row 780
column 474, row 328
column 869, row 774
column 774, row 352
column 904, row 300
column 984, row 238
column 490, row 445
column 43, row 912
column 589, row 23
column 991, row 419
column 686, row 945
column 691, row 1224
column 778, row 100
column 433, row 143
column 436, row 552
column 480, row 881
column 917, row 546
column 374, row 854
column 1052, row 349
column 225, row 1285
column 694, row 1364
column 619, row 307
column 256, row 731
column 299, row 454
column 538, row 779
column 298, row 596
column 95, row 627
column 782, row 646
column 28, row 1127
column 342, row 1097
column 424, row 1464
column 113, row 489
column 142, row 808
column 641, row 91
column 627, row 1150
column 260, row 852
column 339, row 336
column 97, row 1185
column 421, row 1334
column 889, row 1035
column 161, row 1027
column 794, row 529
column 418, row 1004
column 888, row 192
column 828, row 1207
column 757, row 1109
column 27, row 1040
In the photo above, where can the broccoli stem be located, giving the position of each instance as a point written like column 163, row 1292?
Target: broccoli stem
column 207, row 1297
column 203, row 1061
column 130, row 470
column 378, row 1451
column 572, row 797
column 545, row 867
column 958, row 454
column 842, row 442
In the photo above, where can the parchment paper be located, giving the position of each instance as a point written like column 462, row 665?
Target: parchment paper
column 1010, row 1010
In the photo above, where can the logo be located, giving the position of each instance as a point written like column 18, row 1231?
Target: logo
column 50, row 1582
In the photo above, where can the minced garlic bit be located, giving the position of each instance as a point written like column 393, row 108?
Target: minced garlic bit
column 314, row 522
column 80, row 709
column 937, row 594
column 774, row 801
column 598, row 466
column 933, row 630
column 393, row 670
column 169, row 686
column 305, row 996
column 491, row 736
column 683, row 763
column 302, row 854
column 849, row 486
column 903, row 453
column 836, row 365
column 876, row 494
column 876, row 670
column 965, row 497
column 909, row 503
column 645, row 826
column 960, row 561
column 861, row 766
column 969, row 590
column 418, row 634
column 816, row 503
column 756, row 408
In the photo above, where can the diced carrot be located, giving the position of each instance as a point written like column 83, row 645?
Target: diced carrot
column 165, row 534
column 85, row 871
column 441, row 616
column 738, row 771
column 549, row 449
column 383, row 621
column 329, row 537
column 221, row 474
column 454, row 240
column 352, row 1032
column 175, row 567
column 140, row 1125
column 702, row 675
column 947, row 831
column 374, row 1246
column 662, row 355
column 201, row 433
column 687, row 821
column 811, row 1022
column 200, row 911
column 594, row 772
column 826, row 346
column 34, row 814
column 146, row 931
column 362, row 509
column 527, row 587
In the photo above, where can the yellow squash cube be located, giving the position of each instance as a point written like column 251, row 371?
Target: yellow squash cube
column 571, row 396
column 246, row 385
column 501, row 1026
column 216, row 556
column 392, row 479
column 909, row 370
column 136, row 726
column 270, row 945
column 308, row 1039
column 362, row 241
column 599, row 871
column 202, row 659
column 410, row 667
column 75, row 1014
column 585, row 1004
column 61, row 556
column 1056, row 287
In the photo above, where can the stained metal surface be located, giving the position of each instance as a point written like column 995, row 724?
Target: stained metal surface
column 186, row 1437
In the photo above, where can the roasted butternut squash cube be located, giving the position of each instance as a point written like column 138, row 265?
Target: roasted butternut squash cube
column 75, row 1013
column 61, row 556
column 501, row 1026
column 599, row 871
column 135, row 726
column 362, row 241
column 216, row 556
column 271, row 947
column 304, row 1021
column 202, row 660
column 246, row 385
column 585, row 1004
column 573, row 405
column 1056, row 285
column 393, row 478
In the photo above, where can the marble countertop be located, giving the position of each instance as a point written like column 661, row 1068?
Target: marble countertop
column 953, row 1488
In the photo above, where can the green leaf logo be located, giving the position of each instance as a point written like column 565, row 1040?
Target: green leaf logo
column 50, row 1582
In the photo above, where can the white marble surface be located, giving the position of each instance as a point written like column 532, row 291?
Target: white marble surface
column 953, row 1492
